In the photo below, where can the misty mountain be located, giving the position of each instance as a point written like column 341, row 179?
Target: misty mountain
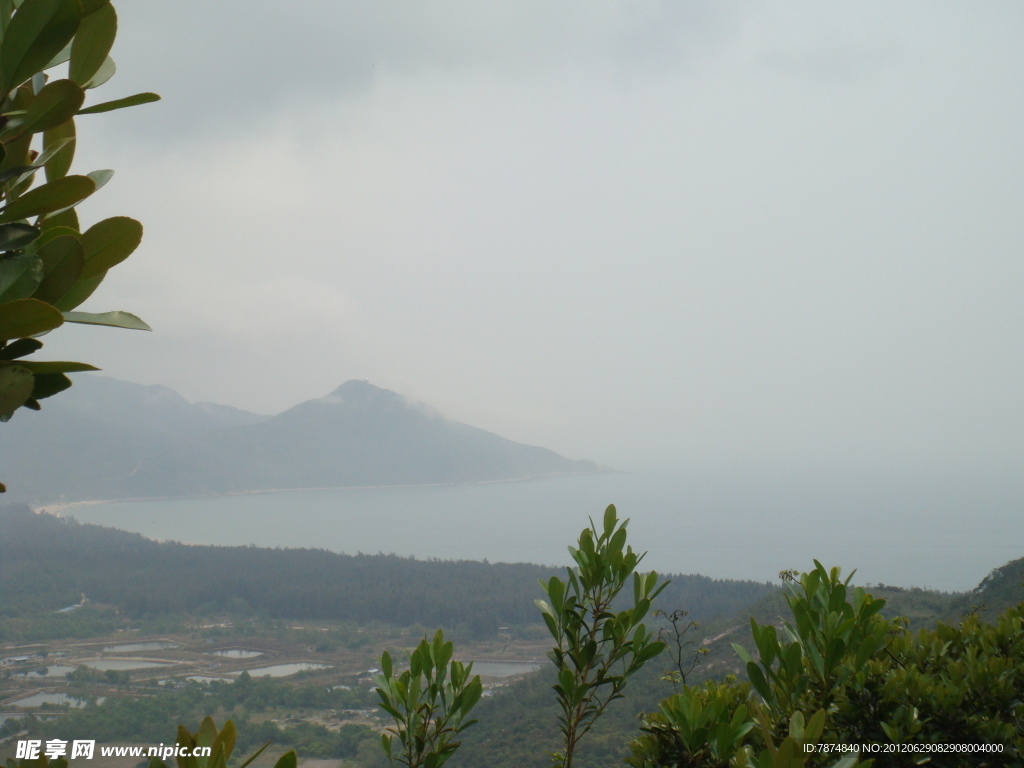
column 105, row 438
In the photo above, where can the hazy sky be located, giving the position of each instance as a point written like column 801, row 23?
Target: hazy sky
column 786, row 236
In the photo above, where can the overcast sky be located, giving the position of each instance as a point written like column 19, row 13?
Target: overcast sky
column 726, row 234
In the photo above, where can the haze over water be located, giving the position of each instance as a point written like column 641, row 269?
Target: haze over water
column 944, row 535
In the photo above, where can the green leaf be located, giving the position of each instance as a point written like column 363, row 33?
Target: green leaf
column 18, row 170
column 52, row 196
column 15, row 388
column 16, row 152
column 742, row 653
column 113, row 319
column 6, row 10
column 52, row 233
column 473, row 692
column 609, row 520
column 19, row 277
column 20, row 348
column 59, row 162
column 14, row 236
column 104, row 73
column 37, row 33
column 54, row 105
column 66, row 218
column 49, row 384
column 101, row 177
column 61, row 57
column 81, row 291
column 91, row 6
column 287, row 760
column 27, row 317
column 127, row 101
column 109, row 242
column 93, row 41
column 63, row 259
column 207, row 732
column 757, row 679
column 256, row 754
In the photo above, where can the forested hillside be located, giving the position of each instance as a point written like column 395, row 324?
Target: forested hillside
column 47, row 563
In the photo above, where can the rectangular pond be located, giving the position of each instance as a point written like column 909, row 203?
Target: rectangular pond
column 124, row 664
column 236, row 653
column 39, row 699
column 283, row 670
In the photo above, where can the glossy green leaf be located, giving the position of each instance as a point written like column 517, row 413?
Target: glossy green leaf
column 127, row 101
column 109, row 242
column 104, row 73
column 17, row 235
column 54, row 105
column 81, row 291
column 63, row 259
column 15, row 388
column 113, row 319
column 59, row 150
column 52, row 196
column 287, row 760
column 27, row 317
column 91, row 6
column 37, row 33
column 20, row 276
column 93, row 41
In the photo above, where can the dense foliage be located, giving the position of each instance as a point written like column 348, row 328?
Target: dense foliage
column 48, row 265
column 840, row 674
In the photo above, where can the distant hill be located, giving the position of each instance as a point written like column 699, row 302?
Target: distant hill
column 105, row 438
column 1001, row 589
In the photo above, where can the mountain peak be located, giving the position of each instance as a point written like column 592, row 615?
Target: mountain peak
column 360, row 392
column 358, row 435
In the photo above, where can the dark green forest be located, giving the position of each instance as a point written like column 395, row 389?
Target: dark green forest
column 47, row 563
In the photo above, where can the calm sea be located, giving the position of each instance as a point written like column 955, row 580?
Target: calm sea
column 940, row 535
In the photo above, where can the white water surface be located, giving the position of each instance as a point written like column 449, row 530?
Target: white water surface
column 945, row 534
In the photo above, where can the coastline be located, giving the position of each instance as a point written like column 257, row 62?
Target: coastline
column 57, row 509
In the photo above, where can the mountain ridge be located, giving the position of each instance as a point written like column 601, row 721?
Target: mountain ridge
column 111, row 439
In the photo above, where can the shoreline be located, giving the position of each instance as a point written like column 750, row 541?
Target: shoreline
column 57, row 509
